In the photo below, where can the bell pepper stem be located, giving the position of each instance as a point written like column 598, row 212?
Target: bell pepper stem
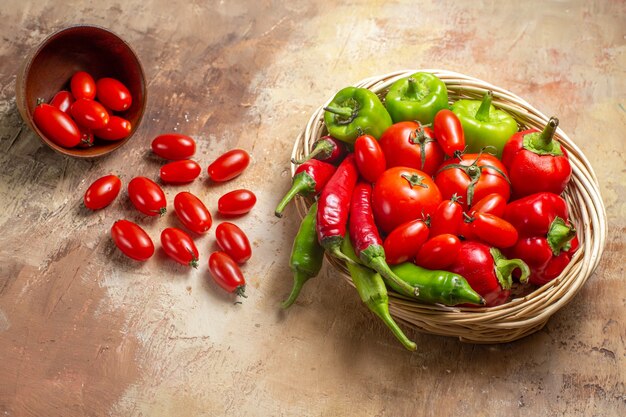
column 560, row 235
column 345, row 112
column 504, row 269
column 380, row 265
column 482, row 114
column 302, row 184
column 382, row 311
column 299, row 279
column 544, row 139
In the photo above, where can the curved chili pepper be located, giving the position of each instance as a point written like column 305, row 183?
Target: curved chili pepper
column 326, row 149
column 307, row 255
column 309, row 178
column 334, row 207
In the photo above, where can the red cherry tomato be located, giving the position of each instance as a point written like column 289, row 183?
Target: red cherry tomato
column 493, row 230
column 83, row 86
column 56, row 125
column 179, row 246
column 449, row 132
column 229, row 165
column 132, row 240
column 226, row 273
column 438, row 252
column 86, row 138
column 63, row 100
column 192, row 212
column 102, row 192
column 409, row 144
column 369, row 158
column 113, row 94
column 89, row 113
column 174, row 146
column 404, row 241
column 118, row 128
column 403, row 194
column 492, row 203
column 236, row 202
column 180, row 172
column 147, row 196
column 447, row 218
column 232, row 240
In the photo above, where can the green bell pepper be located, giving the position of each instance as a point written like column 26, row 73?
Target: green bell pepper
column 484, row 125
column 418, row 97
column 354, row 112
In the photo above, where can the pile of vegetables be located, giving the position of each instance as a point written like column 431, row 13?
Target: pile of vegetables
column 443, row 203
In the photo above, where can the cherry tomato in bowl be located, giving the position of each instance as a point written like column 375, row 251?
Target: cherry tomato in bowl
column 56, row 125
column 229, row 165
column 102, row 192
column 132, row 240
column 174, row 146
column 89, row 114
column 226, row 273
column 118, row 128
column 83, row 85
column 236, row 202
column 179, row 246
column 180, row 172
column 63, row 100
column 232, row 240
column 192, row 212
column 113, row 94
column 147, row 196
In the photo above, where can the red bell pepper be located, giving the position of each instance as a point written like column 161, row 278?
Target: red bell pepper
column 547, row 238
column 535, row 162
column 309, row 178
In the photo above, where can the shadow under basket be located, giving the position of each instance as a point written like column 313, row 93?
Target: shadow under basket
column 531, row 307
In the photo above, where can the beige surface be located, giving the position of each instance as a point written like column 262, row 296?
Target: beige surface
column 85, row 331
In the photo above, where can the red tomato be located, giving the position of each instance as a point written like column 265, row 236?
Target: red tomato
column 102, row 192
column 86, row 138
column 147, row 196
column 118, row 128
column 56, row 126
column 113, row 94
column 62, row 100
column 492, row 203
column 438, row 252
column 132, row 240
column 447, row 218
column 227, row 274
column 369, row 158
column 409, row 144
column 174, row 146
column 403, row 194
column 236, row 202
column 229, row 165
column 83, row 86
column 179, row 246
column 493, row 230
column 232, row 240
column 404, row 241
column 473, row 177
column 449, row 132
column 192, row 212
column 180, row 172
column 89, row 113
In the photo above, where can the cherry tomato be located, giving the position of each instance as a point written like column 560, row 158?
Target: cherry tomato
column 86, row 138
column 232, row 240
column 449, row 132
column 118, row 128
column 83, row 86
column 89, row 113
column 179, row 246
column 113, row 94
column 62, row 100
column 493, row 230
column 438, row 252
column 102, row 192
column 447, row 218
column 180, row 172
column 369, row 158
column 236, row 202
column 229, row 165
column 409, row 144
column 56, row 125
column 492, row 203
column 132, row 240
column 174, row 146
column 226, row 273
column 147, row 196
column 403, row 194
column 192, row 212
column 404, row 241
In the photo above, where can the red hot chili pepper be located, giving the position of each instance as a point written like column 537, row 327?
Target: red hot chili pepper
column 309, row 178
column 536, row 162
column 326, row 149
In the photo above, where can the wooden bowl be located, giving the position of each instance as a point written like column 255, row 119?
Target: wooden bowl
column 93, row 49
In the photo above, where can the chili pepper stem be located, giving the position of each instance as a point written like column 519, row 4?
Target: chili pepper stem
column 298, row 281
column 322, row 147
column 336, row 252
column 383, row 314
column 379, row 265
column 482, row 114
column 301, row 183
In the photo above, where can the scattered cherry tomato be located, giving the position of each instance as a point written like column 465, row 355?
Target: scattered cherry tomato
column 179, row 246
column 89, row 113
column 56, row 125
column 147, row 196
column 63, row 100
column 492, row 203
column 404, row 241
column 113, row 94
column 449, row 132
column 236, row 202
column 229, row 165
column 232, row 240
column 493, row 230
column 118, row 128
column 174, row 146
column 192, row 212
column 447, row 218
column 180, row 172
column 102, row 192
column 83, row 86
column 132, row 240
column 369, row 158
column 438, row 252
column 226, row 273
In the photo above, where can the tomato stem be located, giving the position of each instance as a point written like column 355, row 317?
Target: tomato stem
column 241, row 291
column 414, row 180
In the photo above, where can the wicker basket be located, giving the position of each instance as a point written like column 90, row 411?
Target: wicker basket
column 528, row 312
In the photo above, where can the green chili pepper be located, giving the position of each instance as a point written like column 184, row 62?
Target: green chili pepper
column 418, row 97
column 371, row 288
column 354, row 112
column 484, row 125
column 436, row 286
column 307, row 255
